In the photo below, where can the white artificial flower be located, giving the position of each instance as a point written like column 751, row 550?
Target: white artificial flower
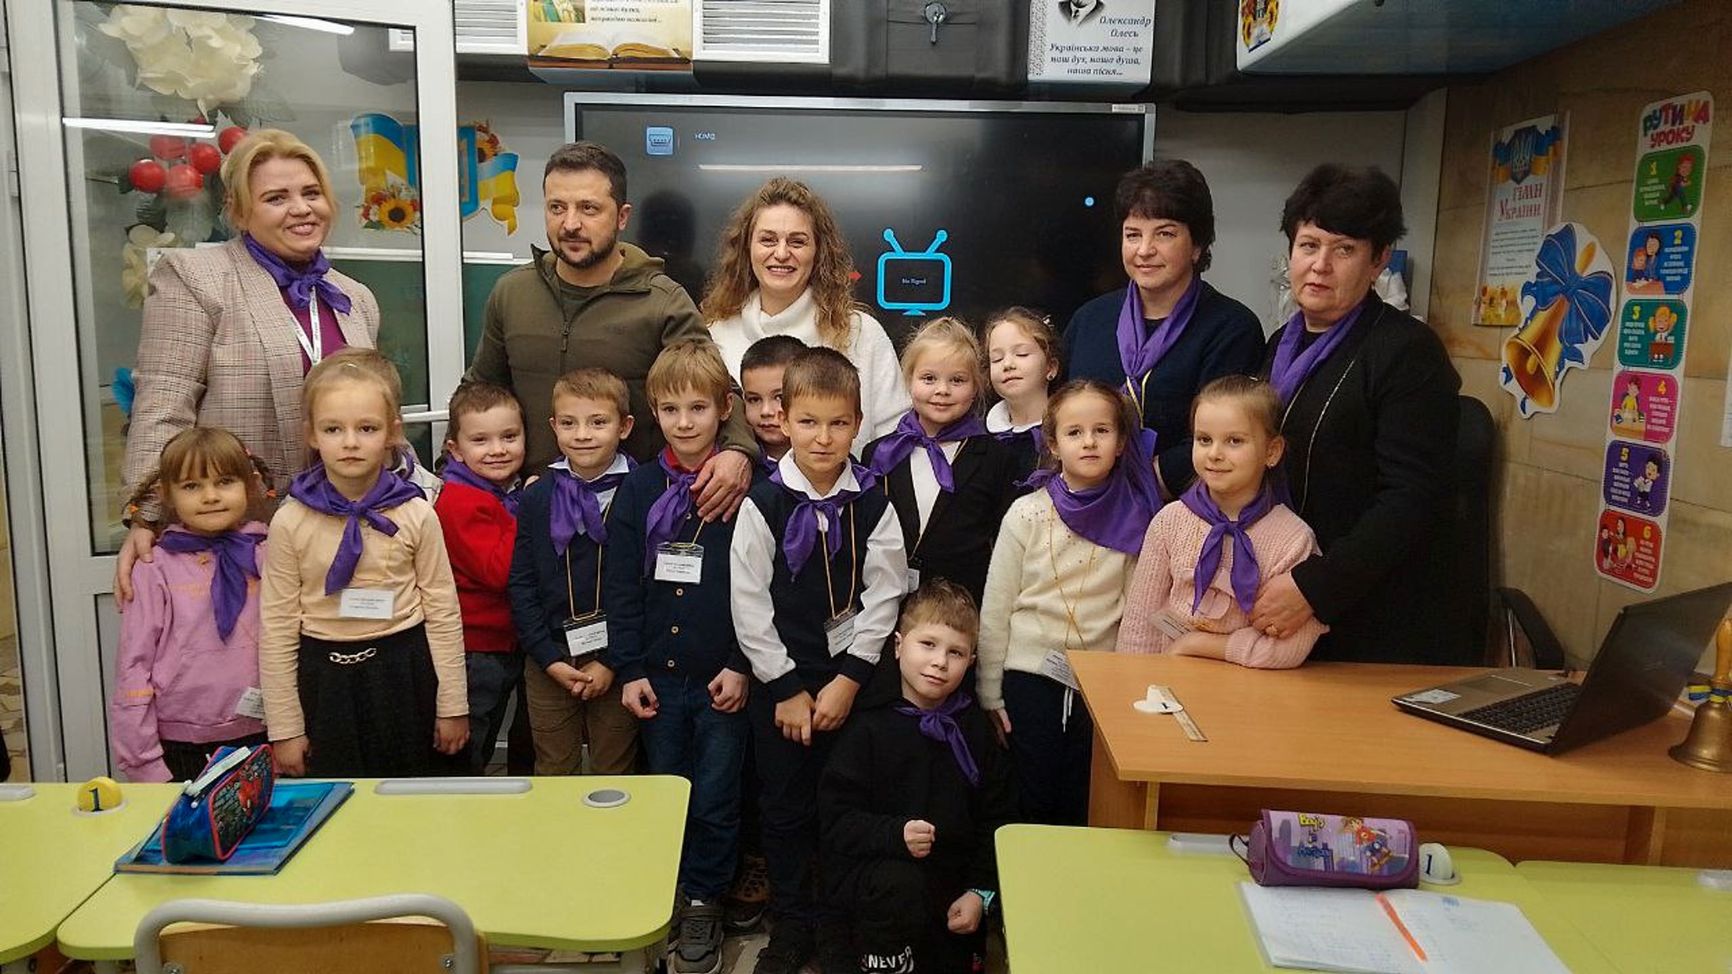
column 205, row 57
column 135, row 261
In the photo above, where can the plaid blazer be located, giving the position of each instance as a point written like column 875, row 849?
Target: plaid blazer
column 218, row 348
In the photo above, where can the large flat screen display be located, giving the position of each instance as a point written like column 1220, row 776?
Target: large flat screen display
column 948, row 207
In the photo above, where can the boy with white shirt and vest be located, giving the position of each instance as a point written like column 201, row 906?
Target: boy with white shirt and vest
column 817, row 570
column 555, row 583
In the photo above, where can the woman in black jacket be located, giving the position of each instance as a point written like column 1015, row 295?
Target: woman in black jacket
column 1369, row 399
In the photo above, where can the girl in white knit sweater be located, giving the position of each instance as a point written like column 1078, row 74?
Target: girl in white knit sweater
column 1060, row 567
column 1207, row 553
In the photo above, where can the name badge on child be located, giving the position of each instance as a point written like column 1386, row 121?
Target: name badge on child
column 1057, row 667
column 586, row 634
column 911, row 580
column 839, row 632
column 367, row 603
column 677, row 562
column 251, row 704
column 1171, row 624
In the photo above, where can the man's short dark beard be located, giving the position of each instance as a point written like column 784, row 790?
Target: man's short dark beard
column 597, row 254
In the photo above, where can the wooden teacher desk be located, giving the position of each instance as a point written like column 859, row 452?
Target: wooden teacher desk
column 1324, row 737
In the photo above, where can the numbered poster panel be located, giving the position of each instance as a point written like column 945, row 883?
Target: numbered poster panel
column 1657, row 279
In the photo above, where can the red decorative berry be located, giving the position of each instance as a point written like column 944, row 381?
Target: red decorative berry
column 184, row 181
column 228, row 138
column 147, row 175
column 167, row 146
column 204, row 157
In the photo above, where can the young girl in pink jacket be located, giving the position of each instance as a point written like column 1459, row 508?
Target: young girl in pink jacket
column 189, row 639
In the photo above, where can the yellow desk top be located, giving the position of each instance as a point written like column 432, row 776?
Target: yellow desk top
column 53, row 857
column 1119, row 900
column 1646, row 919
column 538, row 869
column 1331, row 727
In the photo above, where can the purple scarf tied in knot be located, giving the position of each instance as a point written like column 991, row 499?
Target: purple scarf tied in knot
column 458, row 472
column 299, row 283
column 1115, row 514
column 814, row 517
column 236, row 561
column 939, row 724
column 576, row 507
column 665, row 515
column 909, row 434
column 313, row 488
column 1140, row 347
column 1291, row 367
column 1246, row 575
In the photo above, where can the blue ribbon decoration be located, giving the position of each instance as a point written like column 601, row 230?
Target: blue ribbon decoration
column 1587, row 297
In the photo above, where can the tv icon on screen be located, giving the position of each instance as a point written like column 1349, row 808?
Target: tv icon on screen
column 914, row 283
column 658, row 140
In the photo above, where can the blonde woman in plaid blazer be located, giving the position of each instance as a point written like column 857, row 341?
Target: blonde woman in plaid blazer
column 220, row 344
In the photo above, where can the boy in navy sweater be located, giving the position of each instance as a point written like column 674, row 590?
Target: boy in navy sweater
column 665, row 585
column 555, row 583
column 817, row 571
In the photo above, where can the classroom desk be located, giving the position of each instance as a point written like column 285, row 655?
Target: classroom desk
column 1645, row 919
column 1118, row 900
column 52, row 857
column 538, row 869
column 1324, row 737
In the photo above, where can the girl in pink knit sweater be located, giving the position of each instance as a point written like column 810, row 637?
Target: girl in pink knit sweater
column 1207, row 553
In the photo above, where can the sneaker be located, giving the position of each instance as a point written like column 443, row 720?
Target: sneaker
column 789, row 948
column 743, row 907
column 700, row 939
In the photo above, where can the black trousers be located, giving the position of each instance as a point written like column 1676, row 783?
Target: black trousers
column 788, row 773
column 900, row 911
column 370, row 707
column 185, row 759
column 1051, row 743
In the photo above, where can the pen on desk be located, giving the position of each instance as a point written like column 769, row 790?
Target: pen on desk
column 1401, row 928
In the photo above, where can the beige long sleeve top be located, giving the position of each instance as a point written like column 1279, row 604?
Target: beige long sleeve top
column 412, row 564
column 1048, row 590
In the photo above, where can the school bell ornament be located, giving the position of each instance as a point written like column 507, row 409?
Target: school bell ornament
column 1708, row 746
column 1572, row 294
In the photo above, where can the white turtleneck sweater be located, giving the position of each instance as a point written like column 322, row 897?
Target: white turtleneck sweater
column 883, row 394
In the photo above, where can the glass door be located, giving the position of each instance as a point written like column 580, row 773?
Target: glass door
column 125, row 113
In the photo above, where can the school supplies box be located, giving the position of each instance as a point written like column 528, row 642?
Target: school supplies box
column 1401, row 931
column 297, row 809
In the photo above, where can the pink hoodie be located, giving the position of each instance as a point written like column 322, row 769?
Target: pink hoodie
column 177, row 678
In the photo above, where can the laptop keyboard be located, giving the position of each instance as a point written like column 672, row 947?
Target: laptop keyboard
column 1528, row 712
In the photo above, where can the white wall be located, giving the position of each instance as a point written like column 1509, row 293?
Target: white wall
column 1252, row 161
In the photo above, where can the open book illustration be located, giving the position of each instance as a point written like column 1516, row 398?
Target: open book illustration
column 603, row 42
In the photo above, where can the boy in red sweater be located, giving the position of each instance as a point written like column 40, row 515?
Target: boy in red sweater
column 478, row 512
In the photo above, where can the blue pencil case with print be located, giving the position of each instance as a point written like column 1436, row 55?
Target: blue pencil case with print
column 218, row 809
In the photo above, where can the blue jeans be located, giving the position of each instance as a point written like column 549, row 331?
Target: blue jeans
column 706, row 747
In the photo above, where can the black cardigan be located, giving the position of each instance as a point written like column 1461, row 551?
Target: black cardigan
column 1371, row 442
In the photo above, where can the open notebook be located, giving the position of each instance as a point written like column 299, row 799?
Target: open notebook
column 1402, row 931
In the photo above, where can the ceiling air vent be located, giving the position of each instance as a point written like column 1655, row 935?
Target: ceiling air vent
column 774, row 31
column 489, row 26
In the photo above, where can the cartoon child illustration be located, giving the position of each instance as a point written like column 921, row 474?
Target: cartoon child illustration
column 1608, row 548
column 1371, row 844
column 1662, row 324
column 1679, row 189
column 1644, row 274
column 1644, row 485
column 1628, row 415
column 1623, row 548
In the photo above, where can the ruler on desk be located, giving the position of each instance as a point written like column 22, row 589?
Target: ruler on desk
column 1186, row 721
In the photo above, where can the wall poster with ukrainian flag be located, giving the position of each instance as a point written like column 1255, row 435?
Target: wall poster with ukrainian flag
column 1524, row 196
column 1657, row 274
column 387, row 165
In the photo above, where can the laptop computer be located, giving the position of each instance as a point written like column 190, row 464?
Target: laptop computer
column 1642, row 666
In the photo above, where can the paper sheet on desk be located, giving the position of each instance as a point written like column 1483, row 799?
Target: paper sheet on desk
column 1349, row 930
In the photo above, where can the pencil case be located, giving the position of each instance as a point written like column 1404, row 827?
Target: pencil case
column 1308, row 849
column 220, row 807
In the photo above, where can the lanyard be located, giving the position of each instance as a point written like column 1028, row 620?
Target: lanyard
column 1139, row 392
column 315, row 345
column 571, row 586
column 1070, row 607
column 853, row 567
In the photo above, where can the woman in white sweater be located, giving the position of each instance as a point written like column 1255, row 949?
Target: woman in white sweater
column 784, row 269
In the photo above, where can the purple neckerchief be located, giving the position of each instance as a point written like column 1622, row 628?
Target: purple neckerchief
column 1246, row 575
column 896, row 447
column 576, row 507
column 314, row 489
column 801, row 534
column 1290, row 369
column 768, row 462
column 458, row 472
column 299, row 283
column 1141, row 348
column 939, row 724
column 672, row 507
column 1010, row 436
column 236, row 561
column 1116, row 514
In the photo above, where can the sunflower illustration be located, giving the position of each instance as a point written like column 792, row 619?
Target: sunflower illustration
column 391, row 207
column 397, row 213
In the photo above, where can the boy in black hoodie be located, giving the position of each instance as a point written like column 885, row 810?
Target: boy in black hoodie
column 911, row 798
